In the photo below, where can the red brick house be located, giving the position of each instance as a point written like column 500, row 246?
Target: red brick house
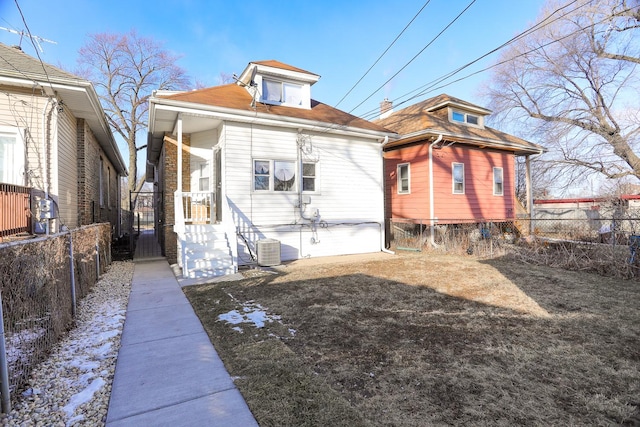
column 446, row 166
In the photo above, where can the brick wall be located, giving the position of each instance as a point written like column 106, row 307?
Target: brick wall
column 168, row 185
column 89, row 157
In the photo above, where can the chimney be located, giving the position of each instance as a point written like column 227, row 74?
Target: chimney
column 386, row 108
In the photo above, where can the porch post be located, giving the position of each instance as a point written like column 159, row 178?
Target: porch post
column 179, row 165
column 529, row 189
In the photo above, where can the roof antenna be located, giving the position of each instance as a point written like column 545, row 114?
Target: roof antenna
column 36, row 39
column 253, row 86
column 252, row 82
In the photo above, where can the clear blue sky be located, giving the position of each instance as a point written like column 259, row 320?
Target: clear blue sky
column 339, row 40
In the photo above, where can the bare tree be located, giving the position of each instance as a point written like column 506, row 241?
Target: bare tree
column 125, row 69
column 573, row 85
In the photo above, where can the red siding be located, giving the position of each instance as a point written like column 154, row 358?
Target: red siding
column 478, row 201
column 414, row 205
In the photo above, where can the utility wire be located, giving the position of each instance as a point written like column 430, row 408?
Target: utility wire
column 432, row 88
column 384, row 53
column 426, row 87
column 416, row 56
column 31, row 37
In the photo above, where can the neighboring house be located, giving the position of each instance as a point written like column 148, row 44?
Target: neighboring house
column 56, row 145
column 261, row 163
column 446, row 166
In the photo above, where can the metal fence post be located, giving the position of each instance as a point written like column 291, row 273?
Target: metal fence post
column 4, row 367
column 97, row 253
column 73, row 276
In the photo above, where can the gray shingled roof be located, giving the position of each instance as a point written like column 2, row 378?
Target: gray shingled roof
column 21, row 70
column 15, row 63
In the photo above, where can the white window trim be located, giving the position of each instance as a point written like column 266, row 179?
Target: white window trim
column 305, row 93
column 453, row 178
column 494, row 181
column 316, row 177
column 101, row 182
column 466, row 115
column 109, row 187
column 399, row 178
column 20, row 153
column 271, row 189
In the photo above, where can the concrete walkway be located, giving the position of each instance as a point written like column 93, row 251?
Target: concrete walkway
column 167, row 372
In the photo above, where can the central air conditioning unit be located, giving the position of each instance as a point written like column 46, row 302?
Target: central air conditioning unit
column 268, row 252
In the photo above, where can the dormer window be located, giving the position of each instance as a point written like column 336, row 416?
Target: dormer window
column 284, row 93
column 467, row 118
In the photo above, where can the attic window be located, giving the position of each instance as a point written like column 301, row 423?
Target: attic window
column 460, row 117
column 276, row 92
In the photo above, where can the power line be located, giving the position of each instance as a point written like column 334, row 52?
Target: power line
column 430, row 86
column 383, row 53
column 31, row 37
column 416, row 56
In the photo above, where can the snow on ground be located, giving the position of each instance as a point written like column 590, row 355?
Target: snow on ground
column 72, row 387
column 252, row 314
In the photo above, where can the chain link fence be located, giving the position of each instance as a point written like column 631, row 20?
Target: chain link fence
column 608, row 246
column 40, row 289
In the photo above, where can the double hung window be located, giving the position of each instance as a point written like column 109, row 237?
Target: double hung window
column 274, row 175
column 403, row 178
column 11, row 156
column 457, row 170
column 276, row 92
column 280, row 176
column 498, row 182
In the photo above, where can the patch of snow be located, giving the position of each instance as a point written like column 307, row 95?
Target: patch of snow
column 251, row 313
column 83, row 396
column 232, row 317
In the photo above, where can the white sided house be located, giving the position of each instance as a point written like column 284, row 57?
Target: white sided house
column 267, row 173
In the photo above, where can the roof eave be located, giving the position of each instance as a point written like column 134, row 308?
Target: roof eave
column 55, row 86
column 231, row 114
column 518, row 149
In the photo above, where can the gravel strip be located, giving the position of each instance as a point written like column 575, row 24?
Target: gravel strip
column 72, row 387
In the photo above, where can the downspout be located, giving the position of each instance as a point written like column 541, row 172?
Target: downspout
column 383, row 228
column 432, row 222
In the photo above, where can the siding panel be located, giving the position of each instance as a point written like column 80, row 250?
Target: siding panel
column 478, row 201
column 349, row 194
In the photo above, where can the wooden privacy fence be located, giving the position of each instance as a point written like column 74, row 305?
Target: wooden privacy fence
column 15, row 213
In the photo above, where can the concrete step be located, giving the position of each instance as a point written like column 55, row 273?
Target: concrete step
column 203, row 237
column 209, row 263
column 193, row 247
column 204, row 273
column 203, row 228
column 191, row 253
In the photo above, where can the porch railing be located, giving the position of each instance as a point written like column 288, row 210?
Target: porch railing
column 199, row 207
column 15, row 213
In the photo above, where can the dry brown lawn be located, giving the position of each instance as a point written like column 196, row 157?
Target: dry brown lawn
column 420, row 340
